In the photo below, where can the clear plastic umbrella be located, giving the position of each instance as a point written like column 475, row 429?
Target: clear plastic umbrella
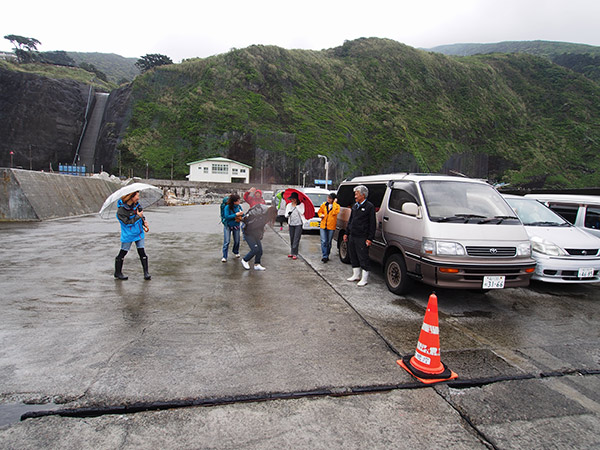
column 148, row 196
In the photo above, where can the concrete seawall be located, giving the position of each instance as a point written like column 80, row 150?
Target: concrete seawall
column 29, row 195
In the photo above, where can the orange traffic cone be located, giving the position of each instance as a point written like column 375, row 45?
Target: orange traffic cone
column 426, row 365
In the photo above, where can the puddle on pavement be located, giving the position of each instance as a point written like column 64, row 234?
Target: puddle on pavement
column 11, row 413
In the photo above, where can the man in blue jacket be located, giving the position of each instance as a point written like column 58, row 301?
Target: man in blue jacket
column 360, row 235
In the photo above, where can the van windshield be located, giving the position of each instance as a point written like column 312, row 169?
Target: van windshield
column 462, row 202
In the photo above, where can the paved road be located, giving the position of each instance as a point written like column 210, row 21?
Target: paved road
column 295, row 356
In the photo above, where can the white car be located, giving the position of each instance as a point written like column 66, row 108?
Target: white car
column 268, row 197
column 583, row 211
column 563, row 253
column 317, row 196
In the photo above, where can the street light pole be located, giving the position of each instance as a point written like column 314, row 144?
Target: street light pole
column 326, row 171
column 11, row 158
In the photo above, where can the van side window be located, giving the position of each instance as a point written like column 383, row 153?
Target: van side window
column 592, row 218
column 376, row 193
column 568, row 212
column 402, row 193
column 346, row 194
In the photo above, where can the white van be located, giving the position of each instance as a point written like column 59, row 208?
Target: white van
column 583, row 211
column 445, row 231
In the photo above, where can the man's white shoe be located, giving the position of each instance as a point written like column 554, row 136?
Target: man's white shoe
column 355, row 274
column 258, row 267
column 245, row 264
column 223, row 259
column 237, row 255
column 365, row 278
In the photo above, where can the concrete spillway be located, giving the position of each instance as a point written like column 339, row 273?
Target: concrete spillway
column 87, row 150
column 30, row 195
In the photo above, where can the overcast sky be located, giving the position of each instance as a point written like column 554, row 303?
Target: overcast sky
column 186, row 29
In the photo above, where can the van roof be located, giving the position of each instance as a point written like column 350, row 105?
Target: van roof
column 567, row 198
column 410, row 176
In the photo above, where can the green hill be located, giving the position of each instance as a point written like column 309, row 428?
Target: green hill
column 371, row 106
column 581, row 58
column 117, row 68
column 59, row 72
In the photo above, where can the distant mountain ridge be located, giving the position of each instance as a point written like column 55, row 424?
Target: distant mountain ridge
column 581, row 58
column 538, row 48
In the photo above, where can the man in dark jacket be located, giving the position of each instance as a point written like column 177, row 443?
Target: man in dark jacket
column 360, row 235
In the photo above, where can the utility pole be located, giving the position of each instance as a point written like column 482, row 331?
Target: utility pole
column 326, row 171
column 11, row 158
column 303, row 178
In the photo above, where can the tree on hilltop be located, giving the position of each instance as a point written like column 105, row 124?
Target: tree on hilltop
column 25, row 48
column 152, row 60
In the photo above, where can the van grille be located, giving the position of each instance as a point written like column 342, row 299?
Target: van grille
column 492, row 251
column 582, row 251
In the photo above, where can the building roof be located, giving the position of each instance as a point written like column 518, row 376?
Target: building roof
column 220, row 159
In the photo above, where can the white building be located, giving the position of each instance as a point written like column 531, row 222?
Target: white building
column 219, row 170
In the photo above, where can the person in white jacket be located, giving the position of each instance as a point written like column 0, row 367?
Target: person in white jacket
column 294, row 211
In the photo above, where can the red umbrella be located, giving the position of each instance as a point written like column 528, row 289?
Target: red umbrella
column 309, row 209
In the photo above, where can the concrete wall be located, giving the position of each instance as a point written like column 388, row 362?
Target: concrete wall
column 30, row 195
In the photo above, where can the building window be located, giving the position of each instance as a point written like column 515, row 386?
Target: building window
column 220, row 168
column 242, row 170
column 234, row 171
column 205, row 169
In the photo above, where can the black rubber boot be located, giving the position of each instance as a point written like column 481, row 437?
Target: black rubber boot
column 119, row 266
column 144, row 260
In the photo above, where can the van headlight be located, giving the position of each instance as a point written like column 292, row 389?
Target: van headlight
column 524, row 249
column 545, row 247
column 442, row 248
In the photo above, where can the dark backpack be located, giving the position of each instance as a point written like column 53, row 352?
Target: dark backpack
column 223, row 206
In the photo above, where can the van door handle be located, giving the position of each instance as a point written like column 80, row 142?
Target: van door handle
column 386, row 218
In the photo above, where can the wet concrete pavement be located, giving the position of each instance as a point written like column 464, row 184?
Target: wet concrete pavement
column 294, row 356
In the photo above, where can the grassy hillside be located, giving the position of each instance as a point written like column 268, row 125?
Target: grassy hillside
column 59, row 72
column 371, row 106
column 584, row 59
column 117, row 68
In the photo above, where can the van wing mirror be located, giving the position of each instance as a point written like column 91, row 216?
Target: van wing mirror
column 411, row 209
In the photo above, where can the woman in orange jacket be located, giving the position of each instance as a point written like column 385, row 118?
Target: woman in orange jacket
column 328, row 213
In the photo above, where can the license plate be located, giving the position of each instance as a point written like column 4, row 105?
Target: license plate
column 314, row 224
column 493, row 282
column 585, row 273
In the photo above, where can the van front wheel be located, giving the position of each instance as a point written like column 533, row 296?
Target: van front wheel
column 343, row 251
column 396, row 277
